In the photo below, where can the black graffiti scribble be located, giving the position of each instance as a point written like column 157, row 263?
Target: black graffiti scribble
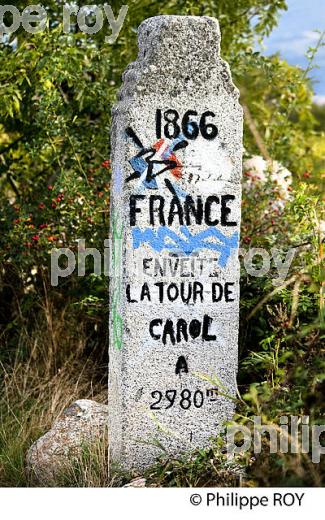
column 144, row 160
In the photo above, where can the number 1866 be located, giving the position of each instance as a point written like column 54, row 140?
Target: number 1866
column 170, row 125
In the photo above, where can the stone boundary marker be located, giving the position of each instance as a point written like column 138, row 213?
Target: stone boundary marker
column 175, row 220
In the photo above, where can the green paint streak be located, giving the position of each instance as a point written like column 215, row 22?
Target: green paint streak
column 117, row 228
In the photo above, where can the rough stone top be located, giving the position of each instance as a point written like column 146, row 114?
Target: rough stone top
column 177, row 54
column 189, row 38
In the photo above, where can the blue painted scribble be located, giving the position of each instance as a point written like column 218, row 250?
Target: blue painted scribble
column 150, row 162
column 165, row 238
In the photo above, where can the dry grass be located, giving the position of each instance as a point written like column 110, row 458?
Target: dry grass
column 50, row 370
column 88, row 468
column 56, row 362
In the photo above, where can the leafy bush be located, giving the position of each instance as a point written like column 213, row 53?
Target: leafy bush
column 56, row 96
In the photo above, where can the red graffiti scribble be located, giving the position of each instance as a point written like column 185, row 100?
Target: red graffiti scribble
column 177, row 170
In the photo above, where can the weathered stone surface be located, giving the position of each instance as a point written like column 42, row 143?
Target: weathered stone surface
column 176, row 192
column 83, row 423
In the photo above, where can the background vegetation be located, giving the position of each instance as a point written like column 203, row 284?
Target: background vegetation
column 56, row 95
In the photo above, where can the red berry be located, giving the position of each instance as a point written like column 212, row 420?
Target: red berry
column 106, row 164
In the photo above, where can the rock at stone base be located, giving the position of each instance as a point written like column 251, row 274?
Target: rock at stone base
column 137, row 483
column 82, row 424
